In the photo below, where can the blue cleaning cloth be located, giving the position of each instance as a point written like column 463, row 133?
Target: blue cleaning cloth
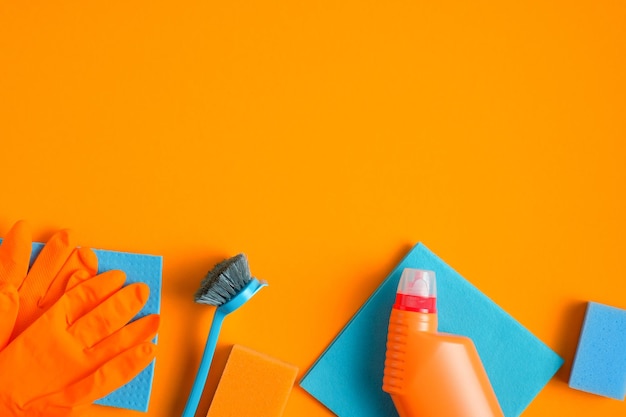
column 600, row 362
column 347, row 378
column 135, row 395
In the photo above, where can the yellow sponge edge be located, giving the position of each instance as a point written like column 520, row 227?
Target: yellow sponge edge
column 252, row 385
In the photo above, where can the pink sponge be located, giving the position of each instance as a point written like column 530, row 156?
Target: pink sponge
column 600, row 362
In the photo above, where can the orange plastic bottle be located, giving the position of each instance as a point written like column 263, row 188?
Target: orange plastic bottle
column 431, row 374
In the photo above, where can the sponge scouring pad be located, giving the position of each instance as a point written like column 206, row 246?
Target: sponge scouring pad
column 252, row 385
column 600, row 362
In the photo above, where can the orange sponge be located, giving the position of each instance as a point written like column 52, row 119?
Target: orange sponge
column 252, row 385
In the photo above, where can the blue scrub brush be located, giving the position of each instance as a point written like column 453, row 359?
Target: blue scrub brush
column 227, row 286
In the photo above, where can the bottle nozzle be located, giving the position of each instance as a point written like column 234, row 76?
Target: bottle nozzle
column 417, row 291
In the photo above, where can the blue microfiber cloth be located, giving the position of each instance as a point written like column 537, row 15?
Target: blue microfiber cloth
column 600, row 362
column 135, row 395
column 347, row 378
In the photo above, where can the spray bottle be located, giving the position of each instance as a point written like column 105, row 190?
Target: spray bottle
column 431, row 374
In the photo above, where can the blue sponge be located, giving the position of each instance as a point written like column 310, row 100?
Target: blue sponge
column 600, row 362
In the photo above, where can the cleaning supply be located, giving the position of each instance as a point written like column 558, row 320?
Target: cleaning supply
column 15, row 252
column 79, row 350
column 431, row 374
column 252, row 385
column 600, row 362
column 346, row 377
column 9, row 304
column 227, row 286
column 59, row 267
column 48, row 278
column 14, row 262
column 147, row 269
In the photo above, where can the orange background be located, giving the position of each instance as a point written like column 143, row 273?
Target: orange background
column 324, row 139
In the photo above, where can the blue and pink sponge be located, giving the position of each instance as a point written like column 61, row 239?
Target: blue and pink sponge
column 600, row 362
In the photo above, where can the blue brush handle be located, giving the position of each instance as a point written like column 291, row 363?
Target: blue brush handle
column 221, row 312
column 205, row 365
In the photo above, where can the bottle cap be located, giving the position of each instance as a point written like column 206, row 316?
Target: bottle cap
column 417, row 291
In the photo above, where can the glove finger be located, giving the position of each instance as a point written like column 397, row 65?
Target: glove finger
column 9, row 305
column 47, row 265
column 106, row 378
column 41, row 408
column 90, row 293
column 15, row 254
column 81, row 259
column 90, row 260
column 110, row 315
column 134, row 333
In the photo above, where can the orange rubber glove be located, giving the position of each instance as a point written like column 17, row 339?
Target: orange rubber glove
column 45, row 282
column 9, row 303
column 14, row 259
column 79, row 350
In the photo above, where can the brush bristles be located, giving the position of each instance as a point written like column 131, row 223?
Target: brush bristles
column 224, row 281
